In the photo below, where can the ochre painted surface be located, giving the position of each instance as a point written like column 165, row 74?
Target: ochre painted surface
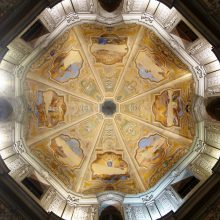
column 129, row 151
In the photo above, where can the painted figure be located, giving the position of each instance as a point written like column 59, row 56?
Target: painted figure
column 109, row 49
column 168, row 108
column 109, row 167
column 50, row 108
column 151, row 150
column 66, row 66
column 150, row 68
column 67, row 151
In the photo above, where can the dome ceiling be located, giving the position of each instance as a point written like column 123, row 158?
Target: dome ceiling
column 109, row 108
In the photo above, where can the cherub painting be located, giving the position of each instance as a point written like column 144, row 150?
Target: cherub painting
column 168, row 108
column 67, row 151
column 109, row 48
column 66, row 66
column 151, row 150
column 50, row 108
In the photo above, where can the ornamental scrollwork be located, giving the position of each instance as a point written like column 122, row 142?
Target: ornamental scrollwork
column 200, row 146
column 71, row 200
column 148, row 198
column 200, row 71
column 72, row 17
column 19, row 147
column 147, row 18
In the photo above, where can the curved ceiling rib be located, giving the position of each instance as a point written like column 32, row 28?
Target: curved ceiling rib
column 132, row 53
column 84, row 46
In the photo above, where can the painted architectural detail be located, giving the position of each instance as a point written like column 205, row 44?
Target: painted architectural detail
column 164, row 204
column 205, row 164
column 213, row 91
column 213, row 80
column 25, row 171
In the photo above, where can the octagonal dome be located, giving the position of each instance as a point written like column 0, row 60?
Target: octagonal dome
column 151, row 128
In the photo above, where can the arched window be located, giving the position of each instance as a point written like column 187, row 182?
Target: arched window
column 110, row 213
column 213, row 108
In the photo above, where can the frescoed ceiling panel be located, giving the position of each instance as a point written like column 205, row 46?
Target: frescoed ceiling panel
column 64, row 65
column 109, row 167
column 50, row 109
column 109, row 49
column 109, row 108
column 168, row 108
column 154, row 65
column 65, row 153
column 154, row 152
